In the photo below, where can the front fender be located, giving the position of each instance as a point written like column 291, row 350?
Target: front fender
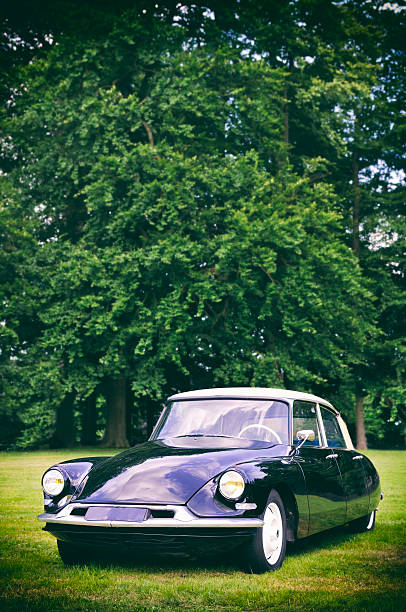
column 75, row 470
column 261, row 477
column 208, row 502
column 286, row 476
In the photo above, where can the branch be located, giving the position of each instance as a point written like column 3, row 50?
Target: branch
column 149, row 132
column 150, row 136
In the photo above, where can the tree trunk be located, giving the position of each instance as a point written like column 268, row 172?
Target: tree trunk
column 286, row 114
column 153, row 410
column 355, row 205
column 359, row 414
column 359, row 401
column 89, row 421
column 64, row 435
column 151, row 420
column 130, row 415
column 115, row 435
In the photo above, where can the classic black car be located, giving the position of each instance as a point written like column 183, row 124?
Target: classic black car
column 224, row 469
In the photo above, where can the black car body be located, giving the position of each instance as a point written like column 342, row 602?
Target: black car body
column 224, row 469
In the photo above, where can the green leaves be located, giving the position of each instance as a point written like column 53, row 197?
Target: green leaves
column 179, row 206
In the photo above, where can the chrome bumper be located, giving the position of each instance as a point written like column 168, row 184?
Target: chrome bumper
column 182, row 518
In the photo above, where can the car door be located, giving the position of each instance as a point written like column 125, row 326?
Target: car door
column 350, row 463
column 325, row 492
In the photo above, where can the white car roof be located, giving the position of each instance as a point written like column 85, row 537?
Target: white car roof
column 249, row 392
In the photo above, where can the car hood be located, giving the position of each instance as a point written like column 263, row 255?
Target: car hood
column 168, row 471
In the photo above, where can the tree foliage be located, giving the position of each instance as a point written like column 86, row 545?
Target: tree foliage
column 198, row 196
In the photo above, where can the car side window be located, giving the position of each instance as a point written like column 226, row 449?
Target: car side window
column 332, row 429
column 305, row 417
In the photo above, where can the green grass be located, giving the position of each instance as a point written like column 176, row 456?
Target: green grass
column 330, row 571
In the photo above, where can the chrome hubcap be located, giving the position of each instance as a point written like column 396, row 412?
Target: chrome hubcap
column 272, row 533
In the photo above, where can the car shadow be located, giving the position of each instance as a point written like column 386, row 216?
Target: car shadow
column 224, row 562
column 331, row 538
column 159, row 563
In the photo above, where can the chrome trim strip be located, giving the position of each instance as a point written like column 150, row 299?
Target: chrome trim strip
column 183, row 518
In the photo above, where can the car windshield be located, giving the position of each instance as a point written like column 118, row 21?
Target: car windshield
column 251, row 419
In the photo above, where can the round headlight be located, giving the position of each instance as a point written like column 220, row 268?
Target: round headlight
column 53, row 482
column 231, row 485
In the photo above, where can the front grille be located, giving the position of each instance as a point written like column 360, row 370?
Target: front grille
column 165, row 540
column 162, row 513
column 79, row 511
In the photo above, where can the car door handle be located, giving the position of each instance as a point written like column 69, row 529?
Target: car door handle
column 357, row 457
column 332, row 456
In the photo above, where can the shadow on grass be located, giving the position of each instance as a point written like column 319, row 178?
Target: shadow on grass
column 225, row 562
column 331, row 538
column 231, row 561
column 155, row 563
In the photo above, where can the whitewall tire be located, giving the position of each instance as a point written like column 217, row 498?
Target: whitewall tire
column 267, row 549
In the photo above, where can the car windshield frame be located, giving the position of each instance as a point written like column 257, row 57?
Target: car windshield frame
column 246, row 406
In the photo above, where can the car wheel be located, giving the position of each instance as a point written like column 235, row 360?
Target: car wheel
column 71, row 554
column 365, row 523
column 267, row 549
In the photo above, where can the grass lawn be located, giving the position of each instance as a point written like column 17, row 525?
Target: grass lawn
column 334, row 570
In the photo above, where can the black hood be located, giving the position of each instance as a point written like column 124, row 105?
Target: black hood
column 168, row 471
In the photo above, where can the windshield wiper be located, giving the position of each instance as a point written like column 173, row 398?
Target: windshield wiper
column 199, row 435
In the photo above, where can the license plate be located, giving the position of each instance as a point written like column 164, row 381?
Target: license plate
column 130, row 515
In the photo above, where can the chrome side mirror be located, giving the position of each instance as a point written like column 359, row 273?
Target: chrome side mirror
column 303, row 435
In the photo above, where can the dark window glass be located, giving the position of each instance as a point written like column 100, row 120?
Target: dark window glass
column 305, row 417
column 333, row 432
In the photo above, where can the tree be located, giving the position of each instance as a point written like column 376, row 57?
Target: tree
column 190, row 176
column 343, row 106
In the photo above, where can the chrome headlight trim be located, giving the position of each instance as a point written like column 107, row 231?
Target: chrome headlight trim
column 54, row 482
column 232, row 485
